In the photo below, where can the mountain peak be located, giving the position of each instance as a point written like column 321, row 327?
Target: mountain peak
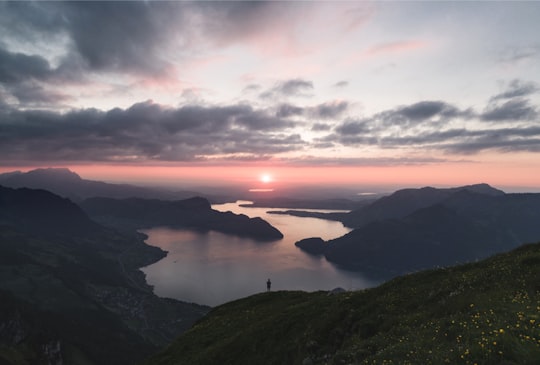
column 54, row 173
column 482, row 188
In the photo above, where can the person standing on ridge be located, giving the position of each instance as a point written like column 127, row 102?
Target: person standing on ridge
column 268, row 285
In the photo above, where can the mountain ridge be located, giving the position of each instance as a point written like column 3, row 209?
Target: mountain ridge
column 66, row 183
column 406, row 201
column 30, row 210
column 194, row 213
column 398, row 234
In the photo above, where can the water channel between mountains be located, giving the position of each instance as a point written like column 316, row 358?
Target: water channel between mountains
column 213, row 268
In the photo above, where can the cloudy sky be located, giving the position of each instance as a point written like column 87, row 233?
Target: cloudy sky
column 408, row 93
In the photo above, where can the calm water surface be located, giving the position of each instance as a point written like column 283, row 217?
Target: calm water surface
column 213, row 268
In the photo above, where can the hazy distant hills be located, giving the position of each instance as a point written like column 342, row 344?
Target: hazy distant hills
column 67, row 183
column 314, row 203
column 130, row 207
column 414, row 229
column 71, row 291
column 483, row 313
column 195, row 213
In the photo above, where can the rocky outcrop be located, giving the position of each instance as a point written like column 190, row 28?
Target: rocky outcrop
column 313, row 245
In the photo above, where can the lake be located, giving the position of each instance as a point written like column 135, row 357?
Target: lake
column 213, row 268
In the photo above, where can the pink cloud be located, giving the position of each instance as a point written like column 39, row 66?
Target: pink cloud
column 383, row 49
column 393, row 47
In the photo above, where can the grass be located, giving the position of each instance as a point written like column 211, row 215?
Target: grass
column 479, row 313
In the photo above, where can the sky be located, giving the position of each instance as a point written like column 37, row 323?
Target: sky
column 311, row 92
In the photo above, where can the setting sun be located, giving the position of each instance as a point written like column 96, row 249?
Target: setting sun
column 266, row 178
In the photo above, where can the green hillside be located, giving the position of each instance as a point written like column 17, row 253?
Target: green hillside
column 484, row 313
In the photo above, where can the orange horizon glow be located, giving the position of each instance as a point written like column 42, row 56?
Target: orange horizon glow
column 250, row 176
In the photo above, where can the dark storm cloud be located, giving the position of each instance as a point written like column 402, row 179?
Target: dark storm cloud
column 23, row 77
column 90, row 36
column 288, row 110
column 353, row 132
column 418, row 114
column 320, row 127
column 143, row 132
column 461, row 140
column 429, row 138
column 504, row 139
column 517, row 88
column 31, row 20
column 329, row 110
column 120, row 35
column 424, row 114
column 511, row 110
column 18, row 67
column 352, row 127
column 31, row 93
column 293, row 87
column 428, row 109
column 419, row 126
column 422, row 110
column 133, row 36
column 512, row 104
column 355, row 140
column 362, row 161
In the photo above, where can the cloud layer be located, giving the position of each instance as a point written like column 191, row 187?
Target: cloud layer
column 264, row 80
column 147, row 131
column 510, row 126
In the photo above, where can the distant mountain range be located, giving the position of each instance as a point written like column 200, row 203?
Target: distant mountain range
column 67, row 183
column 71, row 291
column 331, row 204
column 415, row 229
column 406, row 201
column 129, row 207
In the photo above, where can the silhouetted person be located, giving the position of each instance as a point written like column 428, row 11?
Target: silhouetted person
column 268, row 285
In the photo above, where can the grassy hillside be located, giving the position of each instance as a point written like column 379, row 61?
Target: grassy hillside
column 484, row 313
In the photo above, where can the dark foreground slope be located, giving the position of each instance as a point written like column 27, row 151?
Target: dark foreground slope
column 71, row 291
column 485, row 313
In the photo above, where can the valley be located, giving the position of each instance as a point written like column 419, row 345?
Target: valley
column 72, row 284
